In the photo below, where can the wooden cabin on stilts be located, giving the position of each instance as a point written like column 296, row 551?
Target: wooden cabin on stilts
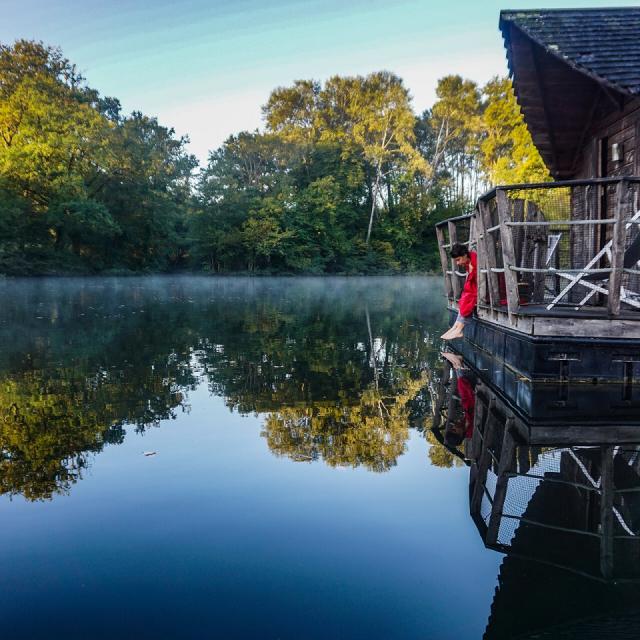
column 559, row 262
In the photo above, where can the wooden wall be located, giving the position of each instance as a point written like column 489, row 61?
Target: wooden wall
column 618, row 126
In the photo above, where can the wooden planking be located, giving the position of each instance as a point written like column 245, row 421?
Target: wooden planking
column 586, row 328
column 558, row 434
column 575, row 327
column 619, row 127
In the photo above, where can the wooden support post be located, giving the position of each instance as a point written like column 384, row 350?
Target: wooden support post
column 444, row 262
column 517, row 233
column 508, row 256
column 505, row 470
column 453, row 238
column 484, row 222
column 524, row 464
column 606, row 512
column 537, row 239
column 472, row 232
column 482, row 257
column 617, row 248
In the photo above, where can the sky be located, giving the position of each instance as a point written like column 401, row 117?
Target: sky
column 205, row 67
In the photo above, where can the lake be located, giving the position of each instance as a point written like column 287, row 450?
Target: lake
column 193, row 457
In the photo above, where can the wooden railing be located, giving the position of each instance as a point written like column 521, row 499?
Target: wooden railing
column 550, row 246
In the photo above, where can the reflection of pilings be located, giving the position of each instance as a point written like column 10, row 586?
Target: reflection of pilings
column 574, row 518
column 606, row 512
column 482, row 441
column 372, row 358
column 506, row 468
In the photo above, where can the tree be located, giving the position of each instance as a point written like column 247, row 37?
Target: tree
column 455, row 125
column 508, row 153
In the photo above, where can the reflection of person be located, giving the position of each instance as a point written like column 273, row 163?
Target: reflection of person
column 457, row 431
column 468, row 260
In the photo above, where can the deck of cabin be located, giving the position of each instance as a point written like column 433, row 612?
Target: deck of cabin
column 557, row 259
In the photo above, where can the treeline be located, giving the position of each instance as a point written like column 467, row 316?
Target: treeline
column 345, row 178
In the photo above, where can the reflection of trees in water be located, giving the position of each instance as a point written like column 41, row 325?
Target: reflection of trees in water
column 82, row 362
column 439, row 455
column 72, row 375
column 50, row 425
column 371, row 432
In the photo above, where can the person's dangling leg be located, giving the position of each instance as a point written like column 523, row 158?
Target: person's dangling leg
column 457, row 330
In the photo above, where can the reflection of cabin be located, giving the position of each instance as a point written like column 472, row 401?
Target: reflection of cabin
column 568, row 521
column 554, row 407
column 555, row 500
column 558, row 494
column 538, row 601
column 561, row 259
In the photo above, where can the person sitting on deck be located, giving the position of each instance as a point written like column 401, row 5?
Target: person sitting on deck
column 467, row 303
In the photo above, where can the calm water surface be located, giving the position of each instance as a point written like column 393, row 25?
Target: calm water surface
column 292, row 491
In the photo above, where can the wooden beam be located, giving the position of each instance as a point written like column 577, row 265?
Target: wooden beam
column 478, row 421
column 559, row 434
column 482, row 258
column 444, row 262
column 617, row 248
column 508, row 255
column 453, row 238
column 490, row 255
column 584, row 327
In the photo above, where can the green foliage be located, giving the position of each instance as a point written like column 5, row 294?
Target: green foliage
column 508, row 153
column 345, row 178
column 82, row 188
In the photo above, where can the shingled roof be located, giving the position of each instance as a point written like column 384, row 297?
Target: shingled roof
column 570, row 69
column 601, row 42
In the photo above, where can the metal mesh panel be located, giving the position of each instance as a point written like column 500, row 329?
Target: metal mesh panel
column 490, row 483
column 507, row 530
column 520, row 490
column 495, row 239
column 485, row 509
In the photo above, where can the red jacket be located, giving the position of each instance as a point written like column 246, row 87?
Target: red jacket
column 469, row 297
column 467, row 401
